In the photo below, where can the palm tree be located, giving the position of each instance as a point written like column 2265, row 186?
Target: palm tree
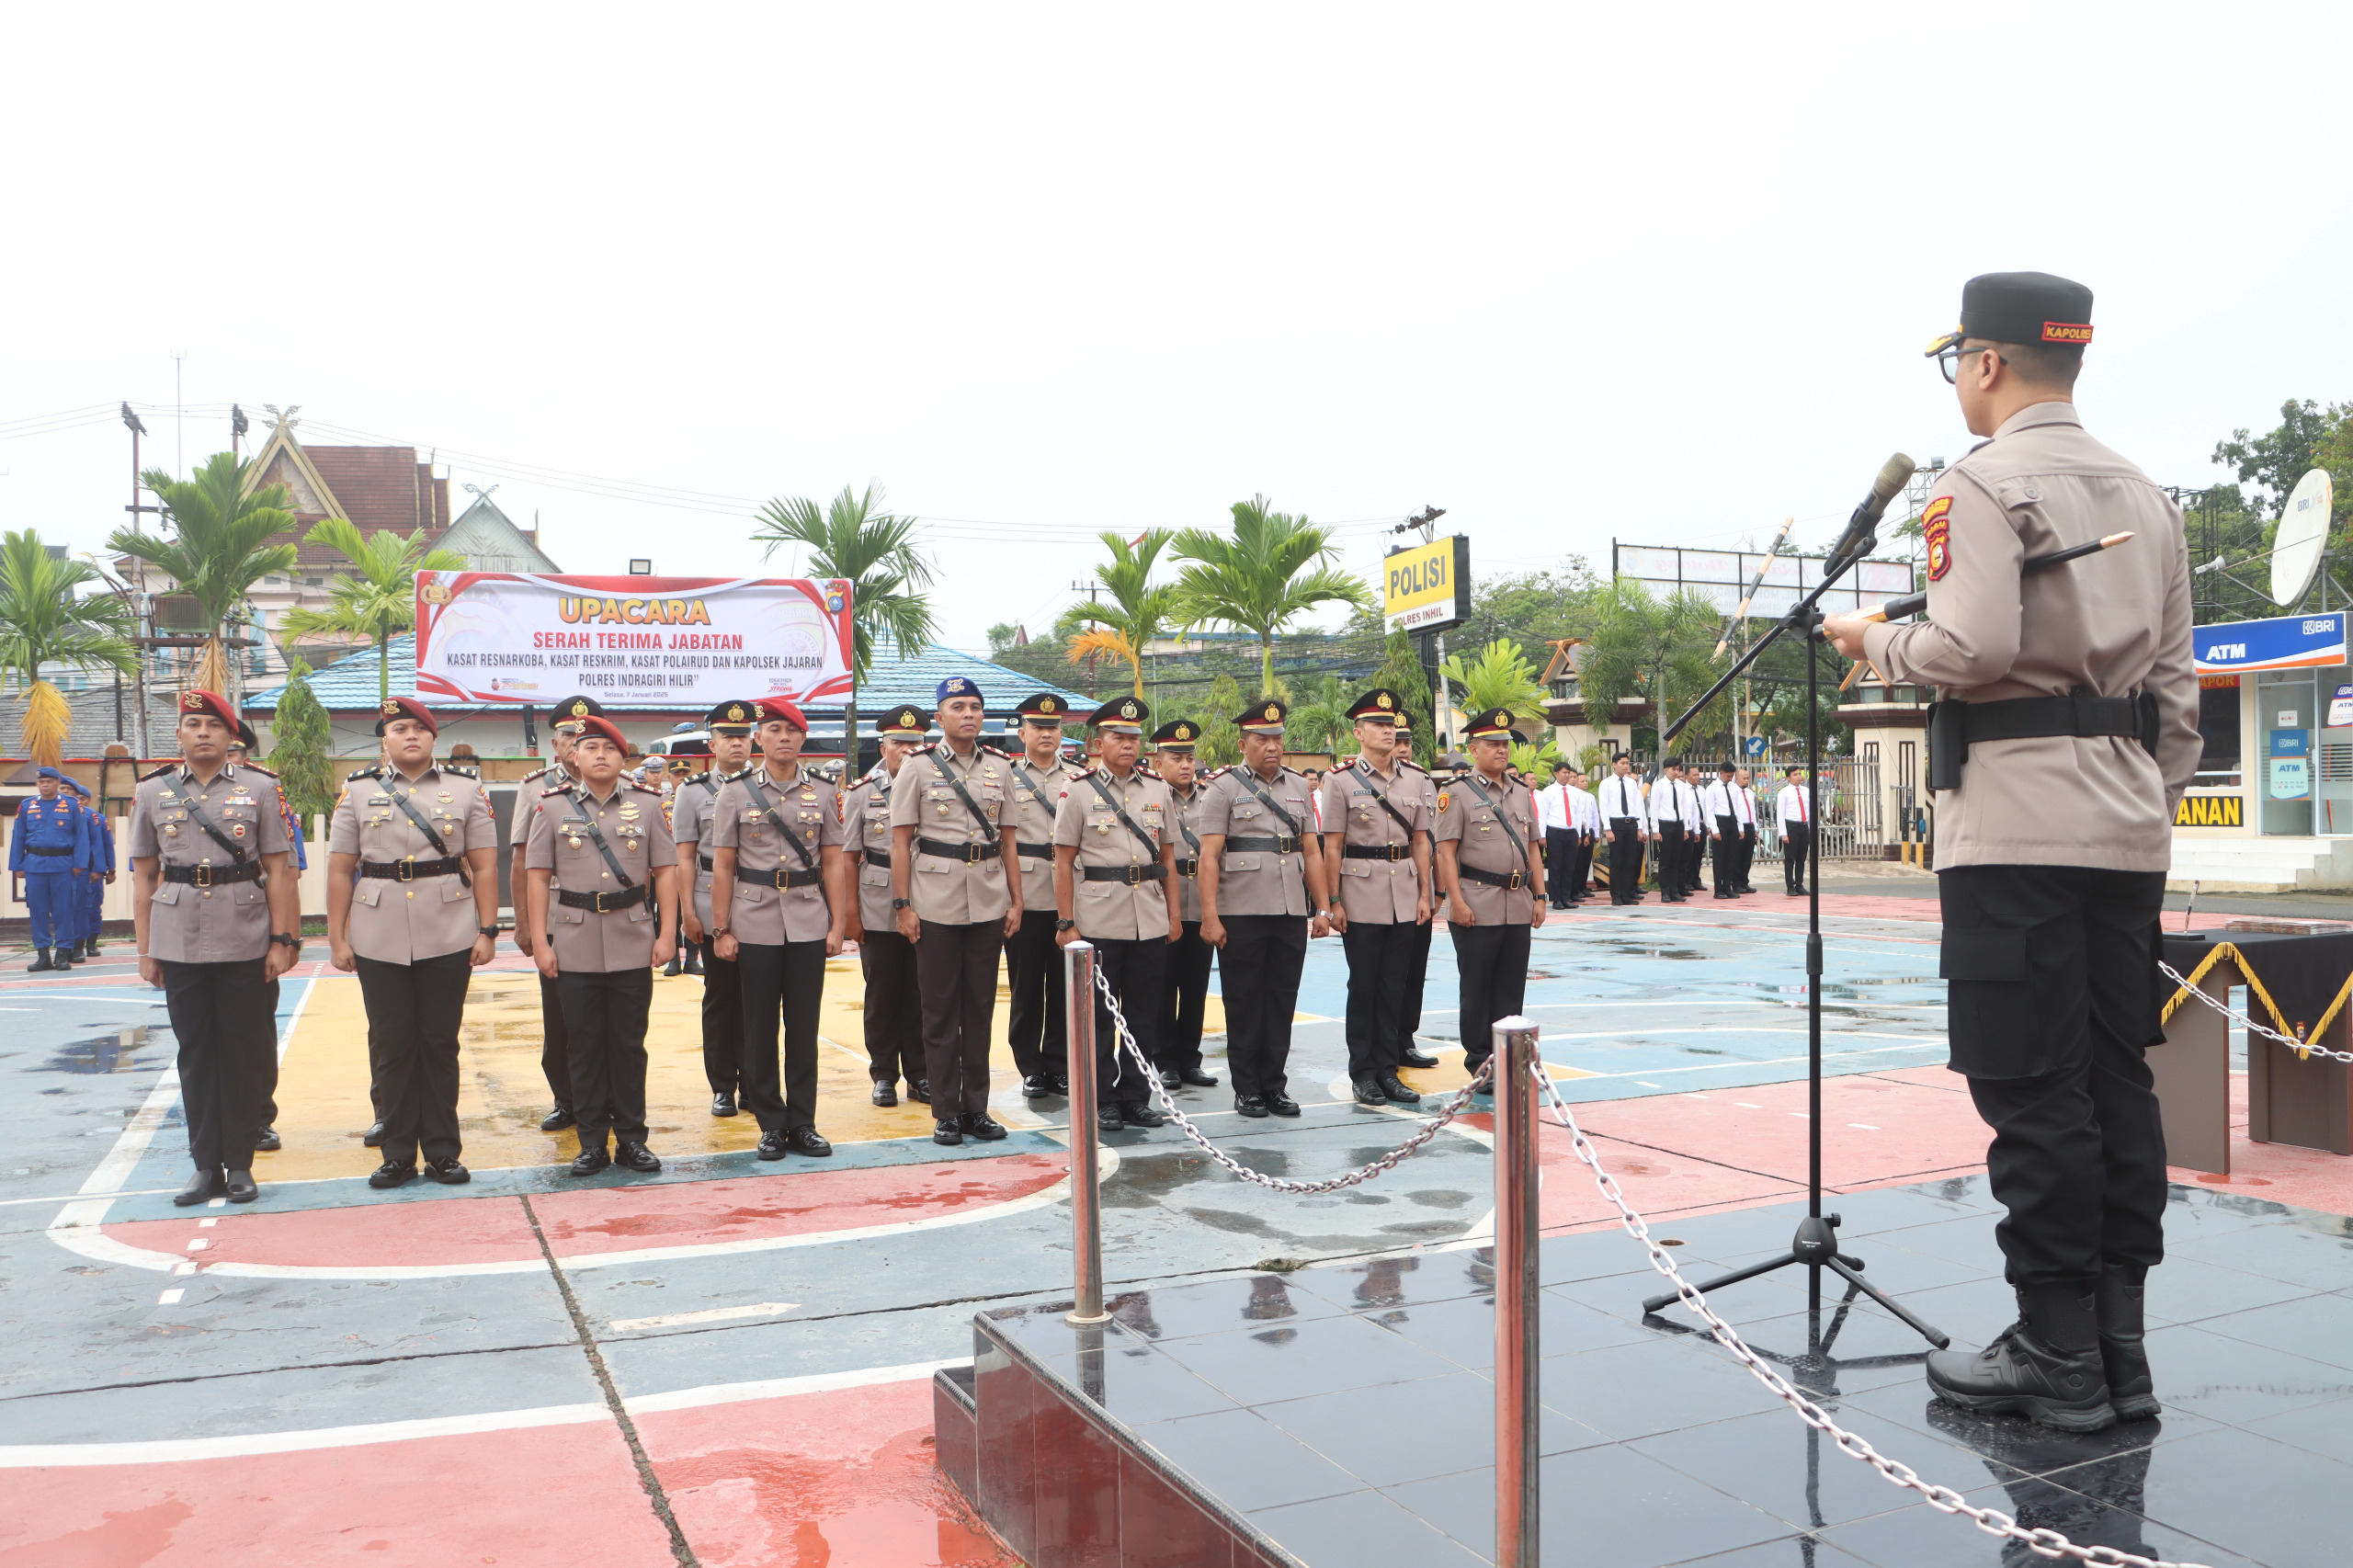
column 1266, row 574
column 874, row 552
column 378, row 600
column 1502, row 676
column 221, row 551
column 1318, row 725
column 1138, row 613
column 42, row 622
column 1657, row 648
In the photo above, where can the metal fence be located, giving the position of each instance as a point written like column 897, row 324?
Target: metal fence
column 1853, row 809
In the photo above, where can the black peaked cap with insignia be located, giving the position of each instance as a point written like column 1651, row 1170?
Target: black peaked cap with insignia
column 1044, row 706
column 906, row 721
column 1379, row 703
column 2021, row 307
column 1178, row 734
column 1127, row 715
column 1495, row 722
column 1264, row 717
column 733, row 717
column 570, row 714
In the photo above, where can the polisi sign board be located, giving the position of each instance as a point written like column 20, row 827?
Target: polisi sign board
column 1427, row 587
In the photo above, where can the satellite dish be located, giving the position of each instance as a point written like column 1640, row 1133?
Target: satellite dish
column 2303, row 530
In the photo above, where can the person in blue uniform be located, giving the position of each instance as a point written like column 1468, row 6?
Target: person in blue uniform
column 99, row 873
column 50, row 844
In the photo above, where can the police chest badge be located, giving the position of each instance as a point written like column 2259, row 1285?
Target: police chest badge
column 1936, row 527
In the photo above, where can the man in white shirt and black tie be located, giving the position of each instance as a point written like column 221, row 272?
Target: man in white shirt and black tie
column 1797, row 832
column 1720, row 806
column 1555, row 817
column 1669, row 822
column 1745, row 801
column 1585, row 828
column 1624, row 820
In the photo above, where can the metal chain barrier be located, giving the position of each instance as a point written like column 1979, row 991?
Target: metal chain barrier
column 1365, row 1173
column 2302, row 1047
column 1993, row 1521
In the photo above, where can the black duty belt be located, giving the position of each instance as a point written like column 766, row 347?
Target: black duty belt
column 1280, row 843
column 970, row 854
column 1034, row 851
column 1134, row 876
column 704, row 861
column 1189, row 868
column 1625, row 821
column 45, row 849
column 1955, row 726
column 876, row 858
column 408, row 870
column 783, row 879
column 1512, row 880
column 213, row 876
column 1376, row 851
column 602, row 902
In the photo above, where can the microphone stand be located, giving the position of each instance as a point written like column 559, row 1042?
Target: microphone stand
column 1816, row 1243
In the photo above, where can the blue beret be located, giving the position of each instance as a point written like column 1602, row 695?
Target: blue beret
column 956, row 686
column 50, row 773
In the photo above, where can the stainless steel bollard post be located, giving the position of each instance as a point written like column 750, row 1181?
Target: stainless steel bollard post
column 1517, row 1314
column 1085, row 1212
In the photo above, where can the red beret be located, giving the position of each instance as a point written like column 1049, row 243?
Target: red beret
column 196, row 700
column 598, row 725
column 769, row 708
column 407, row 708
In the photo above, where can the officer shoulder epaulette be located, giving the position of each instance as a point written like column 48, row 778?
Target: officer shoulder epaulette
column 642, row 789
column 473, row 773
column 257, row 768
column 159, row 772
column 702, row 777
column 863, row 780
column 375, row 772
column 534, row 778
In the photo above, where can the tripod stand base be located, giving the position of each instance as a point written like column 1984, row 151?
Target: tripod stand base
column 1815, row 1247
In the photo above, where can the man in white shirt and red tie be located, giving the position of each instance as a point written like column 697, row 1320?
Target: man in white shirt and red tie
column 1745, row 798
column 1585, row 825
column 1797, row 832
column 1556, row 815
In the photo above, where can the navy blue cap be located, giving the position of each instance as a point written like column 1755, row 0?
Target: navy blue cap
column 956, row 686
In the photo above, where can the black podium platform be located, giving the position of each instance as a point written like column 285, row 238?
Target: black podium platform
column 1340, row 1416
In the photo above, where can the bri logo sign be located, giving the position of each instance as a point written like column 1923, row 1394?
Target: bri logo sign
column 2288, row 642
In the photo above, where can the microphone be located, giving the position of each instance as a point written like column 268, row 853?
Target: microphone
column 1893, row 475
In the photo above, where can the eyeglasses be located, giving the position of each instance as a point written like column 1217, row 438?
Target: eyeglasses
column 1949, row 361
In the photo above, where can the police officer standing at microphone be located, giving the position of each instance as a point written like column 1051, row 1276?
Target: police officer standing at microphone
column 2065, row 732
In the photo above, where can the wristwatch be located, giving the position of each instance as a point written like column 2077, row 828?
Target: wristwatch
column 903, row 903
column 487, row 930
column 293, row 942
column 1066, row 924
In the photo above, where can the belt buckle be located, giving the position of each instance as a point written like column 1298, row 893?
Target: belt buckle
column 1286, row 844
column 405, row 868
column 1513, row 885
column 204, row 874
column 973, row 854
column 1400, row 851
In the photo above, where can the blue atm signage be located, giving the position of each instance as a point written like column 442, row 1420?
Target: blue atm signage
column 2291, row 643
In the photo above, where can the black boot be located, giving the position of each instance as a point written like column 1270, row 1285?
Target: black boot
column 2130, row 1389
column 694, row 960
column 40, row 963
column 2045, row 1367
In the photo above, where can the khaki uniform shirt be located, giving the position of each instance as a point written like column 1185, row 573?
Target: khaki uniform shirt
column 187, row 924
column 1261, row 881
column 1379, row 892
column 1033, row 826
column 690, row 827
column 866, row 838
column 2117, row 623
column 968, row 889
column 632, row 824
column 421, row 917
column 1117, row 912
column 1485, row 819
column 1188, row 847
column 766, row 915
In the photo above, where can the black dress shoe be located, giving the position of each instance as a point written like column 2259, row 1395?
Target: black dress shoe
column 448, row 1172
column 557, row 1120
column 949, row 1132
column 392, row 1173
column 919, row 1090
column 588, row 1162
column 675, row 967
column 723, row 1104
column 1413, row 1056
column 1061, row 1084
column 1107, row 1120
column 635, row 1156
column 1171, row 1079
column 980, row 1124
column 1250, row 1105
column 694, row 960
column 807, row 1141
column 1396, row 1092
column 201, row 1186
column 1368, row 1092
column 1141, row 1116
column 771, row 1146
column 1199, row 1079
column 240, row 1186
column 374, row 1135
column 266, row 1141
column 886, row 1092
column 1036, row 1086
column 1282, row 1105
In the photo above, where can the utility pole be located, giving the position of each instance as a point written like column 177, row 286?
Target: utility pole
column 179, row 419
column 236, row 429
column 1091, row 590
column 1425, row 522
column 141, row 603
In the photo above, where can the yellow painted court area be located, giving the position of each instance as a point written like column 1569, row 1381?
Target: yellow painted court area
column 322, row 1106
column 1449, row 1074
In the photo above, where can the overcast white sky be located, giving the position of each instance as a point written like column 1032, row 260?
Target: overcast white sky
column 1662, row 274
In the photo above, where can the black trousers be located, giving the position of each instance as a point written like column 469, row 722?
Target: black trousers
column 956, row 972
column 893, row 1007
column 604, row 1017
column 414, row 1010
column 1493, row 962
column 2051, row 973
column 1670, row 861
column 723, row 1020
column 1580, row 868
column 1560, row 865
column 555, row 1043
column 1723, row 850
column 1379, row 958
column 1409, row 1001
column 1038, row 1016
column 1138, row 973
column 781, row 983
column 1625, row 862
column 1187, row 992
column 1695, row 855
column 1258, row 975
column 228, row 1057
column 1797, row 840
column 1747, row 855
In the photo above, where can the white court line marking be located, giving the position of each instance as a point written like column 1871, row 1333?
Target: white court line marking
column 247, row 1445
column 1864, row 1125
column 714, row 1314
column 170, row 1297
